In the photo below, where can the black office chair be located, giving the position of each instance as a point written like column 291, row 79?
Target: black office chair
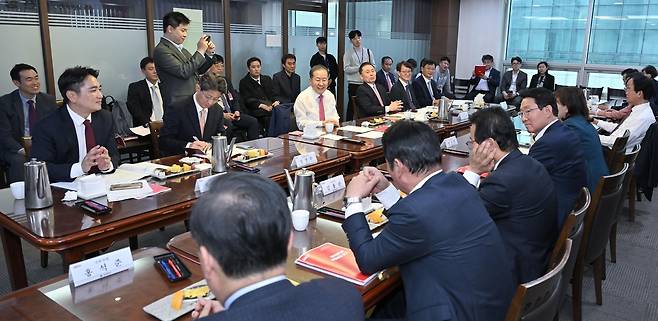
column 461, row 87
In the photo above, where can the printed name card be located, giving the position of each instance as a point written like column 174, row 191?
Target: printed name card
column 304, row 160
column 463, row 116
column 333, row 184
column 450, row 142
column 101, row 266
column 203, row 184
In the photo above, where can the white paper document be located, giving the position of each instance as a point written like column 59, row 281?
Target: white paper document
column 356, row 129
column 141, row 131
column 372, row 135
column 333, row 137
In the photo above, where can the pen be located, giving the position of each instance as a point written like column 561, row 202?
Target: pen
column 173, row 267
column 165, row 268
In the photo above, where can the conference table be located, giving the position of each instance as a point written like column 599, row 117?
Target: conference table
column 68, row 230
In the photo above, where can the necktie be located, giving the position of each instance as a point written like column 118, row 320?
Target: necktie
column 381, row 102
column 411, row 101
column 157, row 105
column 388, row 81
column 90, row 139
column 227, row 106
column 202, row 119
column 31, row 114
column 429, row 87
column 321, row 108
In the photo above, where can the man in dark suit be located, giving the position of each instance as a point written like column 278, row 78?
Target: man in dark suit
column 372, row 99
column 512, row 82
column 556, row 146
column 425, row 87
column 19, row 112
column 231, row 104
column 286, row 82
column 191, row 122
column 78, row 138
column 257, row 92
column 245, row 267
column 486, row 83
column 326, row 59
column 542, row 79
column 402, row 89
column 527, row 220
column 176, row 67
column 450, row 254
column 144, row 96
column 385, row 76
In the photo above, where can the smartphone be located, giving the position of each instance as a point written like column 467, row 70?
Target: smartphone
column 208, row 38
column 94, row 207
column 126, row 186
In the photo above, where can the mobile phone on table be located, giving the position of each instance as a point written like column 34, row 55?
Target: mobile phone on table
column 94, row 207
column 126, row 186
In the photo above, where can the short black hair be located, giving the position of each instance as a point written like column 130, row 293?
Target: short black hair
column 252, row 59
column 244, row 223
column 487, row 57
column 209, row 81
column 398, row 67
column 517, row 58
column 174, row 19
column 628, row 71
column 414, row 144
column 386, row 57
column 413, row 63
column 650, row 70
column 145, row 61
column 15, row 72
column 495, row 123
column 444, row 58
column 72, row 79
column 217, row 59
column 316, row 68
column 642, row 83
column 367, row 63
column 573, row 98
column 354, row 33
column 286, row 57
column 542, row 96
column 427, row 61
column 320, row 39
column 543, row 63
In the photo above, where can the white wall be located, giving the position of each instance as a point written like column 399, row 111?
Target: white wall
column 481, row 31
column 29, row 52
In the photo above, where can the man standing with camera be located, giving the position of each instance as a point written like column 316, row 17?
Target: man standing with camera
column 175, row 65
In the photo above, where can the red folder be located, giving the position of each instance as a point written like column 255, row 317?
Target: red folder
column 336, row 261
column 480, row 70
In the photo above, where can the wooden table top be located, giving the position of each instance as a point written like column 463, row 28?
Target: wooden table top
column 117, row 297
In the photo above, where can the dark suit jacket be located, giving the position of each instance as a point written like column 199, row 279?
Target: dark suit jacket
column 493, row 81
column 253, row 94
column 12, row 119
column 450, row 255
column 521, row 81
column 285, row 302
column 330, row 63
column 139, row 102
column 381, row 79
column 591, row 147
column 181, row 123
column 55, row 142
column 398, row 93
column 549, row 82
column 177, row 70
column 286, row 89
column 561, row 153
column 367, row 103
column 524, row 208
column 233, row 97
column 422, row 94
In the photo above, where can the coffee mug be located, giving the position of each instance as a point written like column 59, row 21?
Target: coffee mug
column 329, row 127
column 300, row 219
column 17, row 190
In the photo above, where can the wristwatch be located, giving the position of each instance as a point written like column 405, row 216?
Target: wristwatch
column 347, row 201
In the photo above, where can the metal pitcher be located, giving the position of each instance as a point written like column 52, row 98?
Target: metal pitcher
column 302, row 191
column 37, row 185
column 221, row 153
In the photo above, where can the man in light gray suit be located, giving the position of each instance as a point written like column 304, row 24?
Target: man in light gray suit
column 176, row 67
column 512, row 82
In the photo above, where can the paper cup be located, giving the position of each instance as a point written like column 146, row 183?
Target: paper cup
column 300, row 219
column 329, row 127
column 17, row 190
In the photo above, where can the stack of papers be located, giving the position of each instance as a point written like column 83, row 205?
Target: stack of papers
column 372, row 134
column 356, row 129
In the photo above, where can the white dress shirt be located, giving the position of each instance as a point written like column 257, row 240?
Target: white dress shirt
column 636, row 123
column 483, row 85
column 78, row 124
column 307, row 108
column 473, row 178
column 512, row 86
column 179, row 47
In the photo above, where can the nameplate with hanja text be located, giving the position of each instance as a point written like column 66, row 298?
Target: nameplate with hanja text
column 503, row 105
column 303, row 160
column 450, row 142
column 333, row 184
column 463, row 116
column 101, row 266
column 202, row 185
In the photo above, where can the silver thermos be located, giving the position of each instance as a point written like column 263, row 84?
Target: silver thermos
column 37, row 185
column 221, row 153
column 302, row 191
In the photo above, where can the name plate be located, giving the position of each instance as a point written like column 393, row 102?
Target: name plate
column 503, row 105
column 101, row 266
column 203, row 184
column 333, row 184
column 463, row 116
column 304, row 160
column 450, row 142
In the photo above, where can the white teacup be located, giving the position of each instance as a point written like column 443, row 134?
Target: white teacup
column 329, row 127
column 300, row 219
column 17, row 190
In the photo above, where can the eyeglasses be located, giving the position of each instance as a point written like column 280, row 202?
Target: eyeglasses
column 526, row 112
column 210, row 98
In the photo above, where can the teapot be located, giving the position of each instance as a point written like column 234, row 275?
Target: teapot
column 37, row 185
column 303, row 191
column 221, row 153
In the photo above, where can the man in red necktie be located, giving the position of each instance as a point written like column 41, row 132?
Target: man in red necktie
column 315, row 105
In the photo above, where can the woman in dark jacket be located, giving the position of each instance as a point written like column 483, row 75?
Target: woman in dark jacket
column 542, row 78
